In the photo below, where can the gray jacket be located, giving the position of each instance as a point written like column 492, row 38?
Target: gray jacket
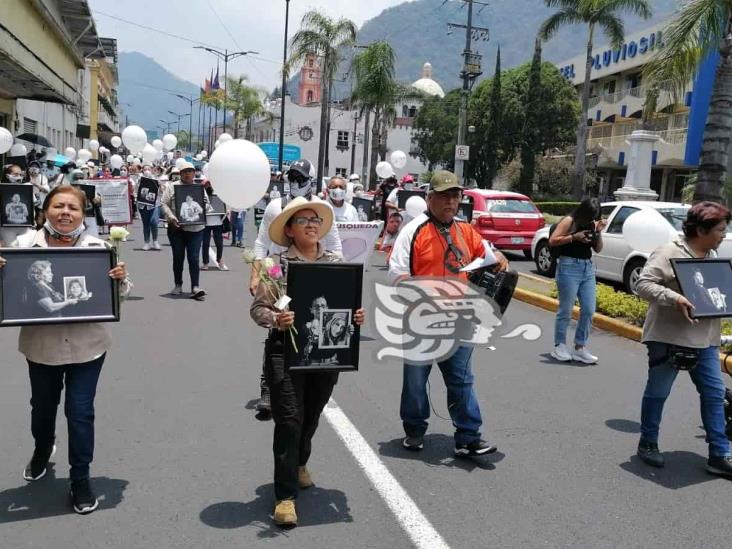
column 664, row 323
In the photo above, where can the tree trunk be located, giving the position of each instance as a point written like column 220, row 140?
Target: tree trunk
column 375, row 139
column 369, row 184
column 718, row 130
column 324, row 101
column 236, row 124
column 383, row 138
column 578, row 178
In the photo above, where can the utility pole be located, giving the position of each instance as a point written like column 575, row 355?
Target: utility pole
column 471, row 71
column 365, row 175
column 281, row 153
column 353, row 144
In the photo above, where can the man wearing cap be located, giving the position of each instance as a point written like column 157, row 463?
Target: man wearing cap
column 435, row 244
column 184, row 240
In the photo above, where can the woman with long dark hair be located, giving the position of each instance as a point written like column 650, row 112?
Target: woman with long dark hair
column 574, row 239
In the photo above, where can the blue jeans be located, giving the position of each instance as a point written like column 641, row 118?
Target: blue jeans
column 575, row 279
column 462, row 401
column 237, row 226
column 185, row 243
column 47, row 382
column 149, row 223
column 707, row 377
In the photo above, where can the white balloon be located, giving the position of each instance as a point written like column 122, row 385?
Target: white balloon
column 6, row 140
column 51, row 153
column 18, row 150
column 79, row 163
column 103, row 150
column 169, row 156
column 216, row 145
column 198, row 157
column 398, row 159
column 224, row 137
column 70, row 153
column 130, row 159
column 239, row 171
column 158, row 144
column 94, row 145
column 160, row 155
column 646, row 230
column 116, row 161
column 137, row 162
column 84, row 155
column 384, row 170
column 170, row 141
column 415, row 206
column 134, row 138
column 116, row 141
column 204, row 154
column 149, row 153
column 179, row 162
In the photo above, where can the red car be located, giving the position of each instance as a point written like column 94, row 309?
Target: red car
column 508, row 220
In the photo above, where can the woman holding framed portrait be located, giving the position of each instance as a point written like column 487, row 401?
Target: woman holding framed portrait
column 676, row 340
column 64, row 355
column 298, row 398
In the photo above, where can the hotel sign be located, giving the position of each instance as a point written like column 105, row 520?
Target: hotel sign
column 628, row 50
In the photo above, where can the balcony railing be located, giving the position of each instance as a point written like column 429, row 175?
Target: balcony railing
column 616, row 141
column 638, row 92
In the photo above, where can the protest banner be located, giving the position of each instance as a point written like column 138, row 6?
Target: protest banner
column 358, row 240
column 115, row 201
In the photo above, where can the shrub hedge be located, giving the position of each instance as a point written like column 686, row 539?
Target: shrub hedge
column 557, row 208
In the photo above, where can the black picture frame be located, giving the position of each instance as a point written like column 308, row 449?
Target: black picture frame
column 706, row 283
column 316, row 290
column 366, row 205
column 403, row 195
column 465, row 211
column 218, row 207
column 18, row 212
column 90, row 191
column 147, row 191
column 21, row 289
column 195, row 212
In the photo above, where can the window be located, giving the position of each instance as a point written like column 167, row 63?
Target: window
column 342, row 142
column 632, row 81
column 341, row 172
column 509, row 205
column 412, row 112
column 616, row 227
column 606, row 211
column 609, row 87
column 405, row 111
column 310, row 96
column 310, row 62
column 675, row 216
column 30, row 126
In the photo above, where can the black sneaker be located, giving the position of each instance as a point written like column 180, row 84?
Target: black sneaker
column 83, row 497
column 650, row 455
column 414, row 444
column 37, row 466
column 721, row 466
column 475, row 448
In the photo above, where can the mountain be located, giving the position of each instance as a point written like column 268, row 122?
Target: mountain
column 145, row 92
column 418, row 32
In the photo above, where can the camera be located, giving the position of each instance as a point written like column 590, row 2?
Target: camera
column 498, row 286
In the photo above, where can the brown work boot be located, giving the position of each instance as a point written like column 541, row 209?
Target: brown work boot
column 304, row 480
column 284, row 513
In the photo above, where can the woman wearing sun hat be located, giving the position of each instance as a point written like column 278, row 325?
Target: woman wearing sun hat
column 297, row 398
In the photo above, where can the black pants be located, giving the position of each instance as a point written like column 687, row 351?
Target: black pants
column 185, row 243
column 218, row 238
column 297, row 401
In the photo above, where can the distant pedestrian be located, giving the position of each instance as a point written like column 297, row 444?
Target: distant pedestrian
column 215, row 228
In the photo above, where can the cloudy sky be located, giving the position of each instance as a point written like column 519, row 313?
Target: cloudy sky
column 256, row 25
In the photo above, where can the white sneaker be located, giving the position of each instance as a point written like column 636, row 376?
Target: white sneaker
column 177, row 290
column 583, row 355
column 156, row 245
column 561, row 353
column 146, row 247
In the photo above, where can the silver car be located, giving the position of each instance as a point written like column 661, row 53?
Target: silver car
column 618, row 261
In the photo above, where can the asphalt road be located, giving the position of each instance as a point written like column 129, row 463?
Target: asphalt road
column 182, row 462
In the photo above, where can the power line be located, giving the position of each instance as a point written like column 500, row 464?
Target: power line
column 210, row 5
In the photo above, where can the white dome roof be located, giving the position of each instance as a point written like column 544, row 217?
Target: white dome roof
column 426, row 84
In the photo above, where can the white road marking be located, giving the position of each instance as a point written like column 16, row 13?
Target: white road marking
column 411, row 519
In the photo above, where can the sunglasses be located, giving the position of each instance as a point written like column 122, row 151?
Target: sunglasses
column 302, row 221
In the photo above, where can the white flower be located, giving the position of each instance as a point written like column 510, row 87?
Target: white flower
column 268, row 263
column 118, row 234
column 248, row 256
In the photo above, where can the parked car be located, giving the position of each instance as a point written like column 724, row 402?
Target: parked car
column 508, row 220
column 618, row 261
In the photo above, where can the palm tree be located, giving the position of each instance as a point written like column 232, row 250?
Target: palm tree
column 323, row 37
column 701, row 28
column 245, row 101
column 604, row 14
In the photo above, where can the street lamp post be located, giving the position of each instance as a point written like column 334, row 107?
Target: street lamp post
column 190, row 101
column 282, row 91
column 225, row 56
column 167, row 124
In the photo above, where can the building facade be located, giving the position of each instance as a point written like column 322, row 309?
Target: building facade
column 617, row 99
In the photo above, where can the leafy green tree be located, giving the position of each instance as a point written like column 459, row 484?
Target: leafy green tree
column 183, row 140
column 435, row 130
column 492, row 140
column 244, row 101
column 530, row 138
column 596, row 15
column 323, row 37
column 701, row 28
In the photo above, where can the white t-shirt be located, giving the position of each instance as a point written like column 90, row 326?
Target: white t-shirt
column 345, row 213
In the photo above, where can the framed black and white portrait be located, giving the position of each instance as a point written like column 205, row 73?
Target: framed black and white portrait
column 218, row 207
column 327, row 339
column 90, row 191
column 190, row 205
column 707, row 284
column 465, row 212
column 57, row 286
column 364, row 208
column 16, row 205
column 276, row 189
column 147, row 191
column 404, row 195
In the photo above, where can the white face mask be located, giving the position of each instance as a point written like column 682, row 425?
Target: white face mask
column 34, row 172
column 15, row 178
column 147, row 173
column 408, row 186
column 337, row 194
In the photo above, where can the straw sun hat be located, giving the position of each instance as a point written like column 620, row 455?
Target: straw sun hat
column 277, row 227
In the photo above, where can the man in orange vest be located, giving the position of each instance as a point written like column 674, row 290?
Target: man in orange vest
column 435, row 244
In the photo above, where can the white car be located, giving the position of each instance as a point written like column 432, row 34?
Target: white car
column 618, row 261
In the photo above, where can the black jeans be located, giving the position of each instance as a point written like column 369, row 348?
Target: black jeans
column 297, row 401
column 47, row 382
column 182, row 243
column 218, row 237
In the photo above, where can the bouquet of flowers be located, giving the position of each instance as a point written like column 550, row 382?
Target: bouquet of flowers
column 271, row 275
